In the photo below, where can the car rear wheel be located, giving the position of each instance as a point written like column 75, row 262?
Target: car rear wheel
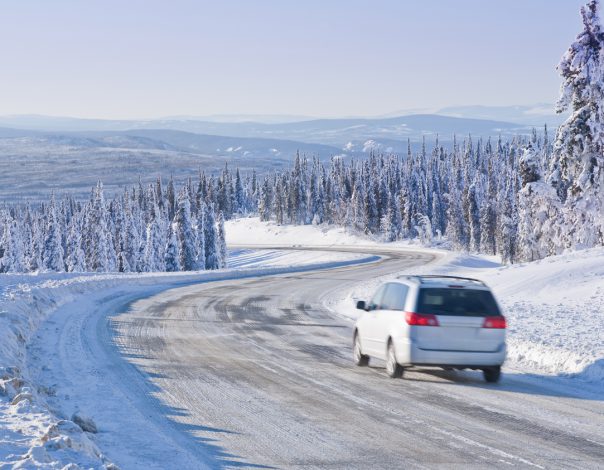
column 492, row 374
column 393, row 368
column 360, row 359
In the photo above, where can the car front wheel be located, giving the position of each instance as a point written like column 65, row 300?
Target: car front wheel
column 393, row 368
column 492, row 374
column 360, row 359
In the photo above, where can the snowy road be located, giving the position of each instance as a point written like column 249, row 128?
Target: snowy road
column 257, row 373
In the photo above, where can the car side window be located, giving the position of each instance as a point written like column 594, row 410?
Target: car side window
column 376, row 300
column 394, row 297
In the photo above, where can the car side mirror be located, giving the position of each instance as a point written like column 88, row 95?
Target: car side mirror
column 361, row 305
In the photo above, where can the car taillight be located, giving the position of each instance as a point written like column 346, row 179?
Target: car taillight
column 494, row 322
column 421, row 319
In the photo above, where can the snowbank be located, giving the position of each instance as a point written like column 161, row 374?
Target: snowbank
column 30, row 435
column 251, row 232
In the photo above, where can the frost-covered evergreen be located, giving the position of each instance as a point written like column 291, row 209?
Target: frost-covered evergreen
column 183, row 226
column 52, row 250
column 130, row 233
column 567, row 209
column 200, row 249
column 75, row 260
column 221, row 242
column 171, row 253
column 98, row 244
column 578, row 167
column 11, row 247
column 211, row 244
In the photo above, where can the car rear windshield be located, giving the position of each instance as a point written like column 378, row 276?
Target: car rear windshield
column 457, row 302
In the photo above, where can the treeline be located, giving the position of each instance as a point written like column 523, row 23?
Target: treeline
column 142, row 230
column 468, row 193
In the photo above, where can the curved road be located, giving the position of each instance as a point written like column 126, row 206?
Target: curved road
column 263, row 365
column 257, row 373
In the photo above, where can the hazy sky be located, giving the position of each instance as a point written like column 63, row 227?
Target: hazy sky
column 148, row 58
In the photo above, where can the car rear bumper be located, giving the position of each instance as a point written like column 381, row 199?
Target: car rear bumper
column 409, row 354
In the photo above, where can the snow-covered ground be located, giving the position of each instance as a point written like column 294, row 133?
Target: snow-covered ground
column 251, row 232
column 31, row 436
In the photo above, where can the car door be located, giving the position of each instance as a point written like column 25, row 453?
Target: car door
column 369, row 327
column 391, row 316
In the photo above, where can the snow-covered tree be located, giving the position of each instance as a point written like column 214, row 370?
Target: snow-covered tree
column 577, row 167
column 264, row 201
column 99, row 247
column 183, row 226
column 171, row 253
column 211, row 239
column 221, row 241
column 75, row 260
column 155, row 240
column 11, row 247
column 52, row 250
column 127, row 233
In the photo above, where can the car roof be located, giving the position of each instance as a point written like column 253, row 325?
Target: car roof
column 435, row 280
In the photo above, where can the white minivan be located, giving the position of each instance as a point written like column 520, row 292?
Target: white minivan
column 446, row 321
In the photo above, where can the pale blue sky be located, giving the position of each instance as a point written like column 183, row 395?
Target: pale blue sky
column 149, row 58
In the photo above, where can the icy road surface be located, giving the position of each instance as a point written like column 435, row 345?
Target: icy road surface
column 256, row 373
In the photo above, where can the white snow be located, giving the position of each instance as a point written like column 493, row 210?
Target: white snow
column 36, row 435
column 250, row 232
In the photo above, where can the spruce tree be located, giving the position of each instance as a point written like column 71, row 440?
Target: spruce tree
column 185, row 234
column 11, row 247
column 75, row 260
column 577, row 167
column 212, row 258
column 200, row 236
column 171, row 260
column 221, row 241
column 155, row 241
column 52, row 251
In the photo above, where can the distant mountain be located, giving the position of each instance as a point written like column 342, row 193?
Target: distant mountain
column 535, row 115
column 242, row 147
column 350, row 133
column 172, row 140
column 360, row 130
